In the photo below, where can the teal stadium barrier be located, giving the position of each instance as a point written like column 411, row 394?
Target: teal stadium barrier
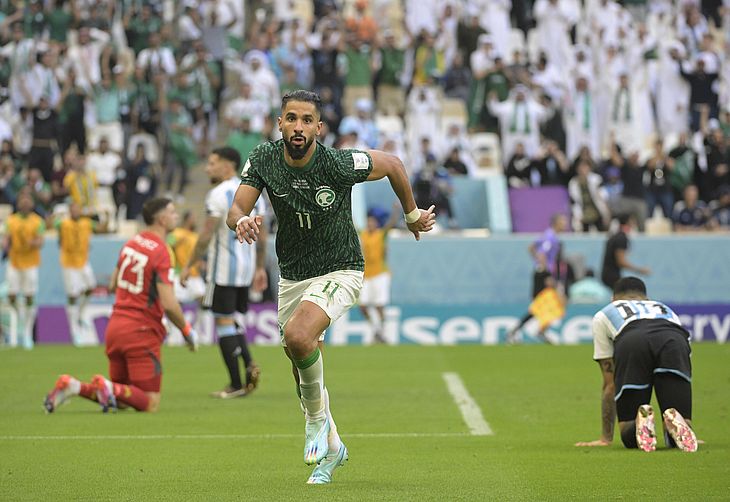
column 451, row 289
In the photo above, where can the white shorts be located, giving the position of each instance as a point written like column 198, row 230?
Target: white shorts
column 78, row 280
column 376, row 291
column 24, row 282
column 335, row 293
column 194, row 289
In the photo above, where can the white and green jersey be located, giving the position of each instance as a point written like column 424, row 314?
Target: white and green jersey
column 316, row 235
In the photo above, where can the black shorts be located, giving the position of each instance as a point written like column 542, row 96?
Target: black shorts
column 539, row 278
column 226, row 300
column 644, row 350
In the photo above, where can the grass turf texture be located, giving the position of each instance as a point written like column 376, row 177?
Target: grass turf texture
column 539, row 400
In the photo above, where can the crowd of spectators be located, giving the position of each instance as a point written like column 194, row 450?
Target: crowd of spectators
column 624, row 104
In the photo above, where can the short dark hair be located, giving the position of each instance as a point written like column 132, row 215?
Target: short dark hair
column 629, row 285
column 624, row 218
column 302, row 95
column 152, row 208
column 228, row 153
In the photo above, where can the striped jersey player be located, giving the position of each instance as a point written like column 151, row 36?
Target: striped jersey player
column 640, row 346
column 309, row 186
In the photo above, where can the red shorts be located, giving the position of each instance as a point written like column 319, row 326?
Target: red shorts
column 134, row 353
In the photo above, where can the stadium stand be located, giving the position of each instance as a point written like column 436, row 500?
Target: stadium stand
column 597, row 82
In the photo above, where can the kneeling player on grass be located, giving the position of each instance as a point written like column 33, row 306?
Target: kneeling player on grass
column 640, row 344
column 142, row 280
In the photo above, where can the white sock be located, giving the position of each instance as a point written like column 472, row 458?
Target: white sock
column 14, row 327
column 333, row 440
column 311, row 385
column 29, row 322
column 73, row 311
column 22, row 310
column 83, row 301
column 378, row 321
column 74, row 386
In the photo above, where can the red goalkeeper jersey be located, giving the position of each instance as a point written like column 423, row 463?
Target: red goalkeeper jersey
column 143, row 262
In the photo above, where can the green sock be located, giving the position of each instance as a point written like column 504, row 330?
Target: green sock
column 308, row 361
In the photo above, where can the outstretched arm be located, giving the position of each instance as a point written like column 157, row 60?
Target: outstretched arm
column 238, row 220
column 385, row 164
column 608, row 406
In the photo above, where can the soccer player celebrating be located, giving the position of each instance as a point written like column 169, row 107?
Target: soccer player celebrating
column 74, row 237
column 143, row 283
column 640, row 344
column 317, row 247
column 231, row 270
column 23, row 241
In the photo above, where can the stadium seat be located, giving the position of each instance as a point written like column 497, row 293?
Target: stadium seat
column 657, row 224
column 454, row 109
column 486, row 150
column 389, row 125
column 127, row 228
column 152, row 153
column 111, row 131
column 447, row 122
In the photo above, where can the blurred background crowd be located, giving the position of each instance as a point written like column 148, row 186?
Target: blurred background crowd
column 625, row 104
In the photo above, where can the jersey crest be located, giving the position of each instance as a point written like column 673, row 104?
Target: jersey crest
column 325, row 196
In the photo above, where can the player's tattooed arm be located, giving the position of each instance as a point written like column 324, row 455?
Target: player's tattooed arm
column 608, row 404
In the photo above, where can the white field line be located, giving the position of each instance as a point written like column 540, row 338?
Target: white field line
column 227, row 436
column 467, row 406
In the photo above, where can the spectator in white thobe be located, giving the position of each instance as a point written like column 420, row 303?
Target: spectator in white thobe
column 85, row 56
column 495, row 18
column 264, row 84
column 519, row 121
column 423, row 118
column 581, row 120
column 554, row 19
column 672, row 91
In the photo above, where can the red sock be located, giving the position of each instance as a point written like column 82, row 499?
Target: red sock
column 87, row 391
column 132, row 396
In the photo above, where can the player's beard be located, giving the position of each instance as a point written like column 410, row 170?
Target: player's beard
column 213, row 180
column 298, row 152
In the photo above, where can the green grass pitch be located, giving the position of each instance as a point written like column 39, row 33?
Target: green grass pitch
column 393, row 411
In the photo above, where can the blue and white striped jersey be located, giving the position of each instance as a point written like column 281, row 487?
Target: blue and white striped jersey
column 230, row 263
column 612, row 319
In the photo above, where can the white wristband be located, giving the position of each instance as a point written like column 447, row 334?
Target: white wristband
column 413, row 216
column 241, row 219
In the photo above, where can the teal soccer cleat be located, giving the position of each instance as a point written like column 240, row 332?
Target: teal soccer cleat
column 315, row 440
column 322, row 474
